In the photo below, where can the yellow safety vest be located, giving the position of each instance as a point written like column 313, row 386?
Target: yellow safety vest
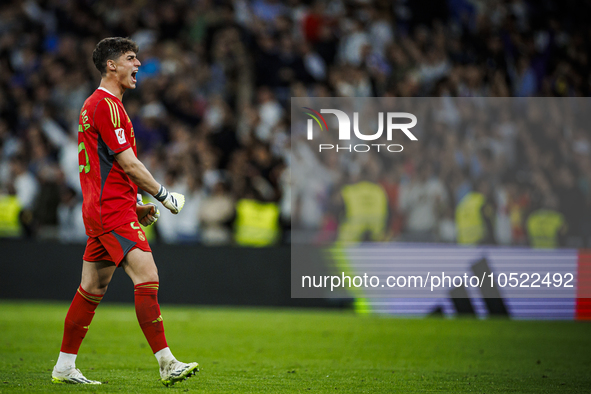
column 257, row 223
column 10, row 208
column 543, row 226
column 469, row 221
column 366, row 210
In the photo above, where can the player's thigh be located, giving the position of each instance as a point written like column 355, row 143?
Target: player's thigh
column 96, row 275
column 140, row 266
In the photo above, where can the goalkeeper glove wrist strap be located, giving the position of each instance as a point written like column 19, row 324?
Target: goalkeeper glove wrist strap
column 162, row 194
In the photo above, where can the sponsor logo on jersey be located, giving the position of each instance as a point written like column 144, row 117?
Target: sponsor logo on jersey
column 120, row 135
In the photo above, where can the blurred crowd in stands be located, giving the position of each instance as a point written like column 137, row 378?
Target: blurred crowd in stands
column 212, row 110
column 504, row 171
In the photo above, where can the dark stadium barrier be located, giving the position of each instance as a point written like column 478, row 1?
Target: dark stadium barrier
column 189, row 274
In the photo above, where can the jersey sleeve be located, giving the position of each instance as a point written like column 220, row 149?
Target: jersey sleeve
column 110, row 122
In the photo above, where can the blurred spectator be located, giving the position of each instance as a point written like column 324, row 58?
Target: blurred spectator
column 257, row 221
column 422, row 201
column 71, row 226
column 216, row 214
column 546, row 226
column 268, row 10
column 270, row 113
column 475, row 215
column 524, row 79
column 355, row 43
column 9, row 216
column 212, row 105
column 447, row 231
column 365, row 216
column 25, row 183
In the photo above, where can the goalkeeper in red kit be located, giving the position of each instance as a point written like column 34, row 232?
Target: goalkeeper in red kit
column 110, row 174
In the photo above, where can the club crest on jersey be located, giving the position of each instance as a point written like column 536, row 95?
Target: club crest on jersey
column 141, row 236
column 120, row 132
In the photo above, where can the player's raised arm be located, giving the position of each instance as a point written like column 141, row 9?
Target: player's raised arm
column 140, row 175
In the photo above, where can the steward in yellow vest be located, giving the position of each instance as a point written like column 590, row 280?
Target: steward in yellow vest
column 10, row 209
column 474, row 217
column 366, row 212
column 257, row 223
column 545, row 228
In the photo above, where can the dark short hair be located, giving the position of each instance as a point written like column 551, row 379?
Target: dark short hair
column 110, row 49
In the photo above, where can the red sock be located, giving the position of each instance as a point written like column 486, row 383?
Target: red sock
column 148, row 314
column 78, row 319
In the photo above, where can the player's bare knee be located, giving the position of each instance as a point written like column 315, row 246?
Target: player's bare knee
column 101, row 290
column 154, row 278
column 150, row 275
column 94, row 288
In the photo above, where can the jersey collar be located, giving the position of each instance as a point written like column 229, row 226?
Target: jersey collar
column 101, row 88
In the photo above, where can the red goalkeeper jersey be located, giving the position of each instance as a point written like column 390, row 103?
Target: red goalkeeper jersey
column 109, row 195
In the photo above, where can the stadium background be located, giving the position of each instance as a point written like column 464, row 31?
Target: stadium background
column 211, row 111
column 212, row 121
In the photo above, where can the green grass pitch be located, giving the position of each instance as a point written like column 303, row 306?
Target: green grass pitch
column 291, row 351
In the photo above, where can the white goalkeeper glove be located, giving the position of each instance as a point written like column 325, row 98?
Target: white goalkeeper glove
column 173, row 201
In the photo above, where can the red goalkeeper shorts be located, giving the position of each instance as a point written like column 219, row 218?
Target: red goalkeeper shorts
column 114, row 245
